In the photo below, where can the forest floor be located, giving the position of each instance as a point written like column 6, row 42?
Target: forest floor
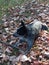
column 28, row 12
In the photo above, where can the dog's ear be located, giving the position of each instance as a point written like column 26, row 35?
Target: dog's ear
column 22, row 23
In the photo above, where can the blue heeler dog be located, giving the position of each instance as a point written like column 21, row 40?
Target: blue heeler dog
column 28, row 33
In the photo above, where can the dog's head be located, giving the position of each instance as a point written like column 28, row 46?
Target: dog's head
column 21, row 31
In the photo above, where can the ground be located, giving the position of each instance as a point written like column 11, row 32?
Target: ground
column 39, row 53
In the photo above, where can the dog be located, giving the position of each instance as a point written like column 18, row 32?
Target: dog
column 29, row 33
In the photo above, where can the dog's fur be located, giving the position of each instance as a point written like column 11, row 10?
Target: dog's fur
column 31, row 32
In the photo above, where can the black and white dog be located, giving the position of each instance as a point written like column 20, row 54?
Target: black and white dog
column 29, row 33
